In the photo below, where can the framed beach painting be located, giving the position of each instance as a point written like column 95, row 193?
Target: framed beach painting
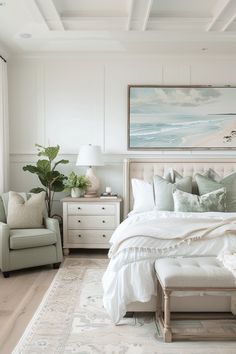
column 181, row 117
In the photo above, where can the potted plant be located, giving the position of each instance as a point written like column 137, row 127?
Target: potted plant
column 76, row 184
column 51, row 179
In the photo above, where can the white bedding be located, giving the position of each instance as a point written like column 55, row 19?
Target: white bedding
column 130, row 274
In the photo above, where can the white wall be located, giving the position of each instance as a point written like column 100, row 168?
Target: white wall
column 78, row 99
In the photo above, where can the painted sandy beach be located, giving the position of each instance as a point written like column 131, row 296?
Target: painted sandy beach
column 182, row 117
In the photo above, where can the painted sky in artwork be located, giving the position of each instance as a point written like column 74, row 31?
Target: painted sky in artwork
column 154, row 100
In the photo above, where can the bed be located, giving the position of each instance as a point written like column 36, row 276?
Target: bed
column 129, row 282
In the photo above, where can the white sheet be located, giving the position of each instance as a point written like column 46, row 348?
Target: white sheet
column 130, row 274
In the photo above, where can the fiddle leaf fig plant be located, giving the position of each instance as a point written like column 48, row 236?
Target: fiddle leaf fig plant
column 51, row 179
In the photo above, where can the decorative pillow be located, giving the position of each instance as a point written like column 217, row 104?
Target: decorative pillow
column 214, row 201
column 210, row 173
column 143, row 195
column 25, row 213
column 206, row 185
column 164, row 191
column 172, row 175
column 5, row 199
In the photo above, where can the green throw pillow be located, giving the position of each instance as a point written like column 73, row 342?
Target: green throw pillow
column 173, row 176
column 163, row 191
column 207, row 185
column 213, row 201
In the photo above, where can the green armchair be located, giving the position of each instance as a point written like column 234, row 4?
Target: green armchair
column 25, row 248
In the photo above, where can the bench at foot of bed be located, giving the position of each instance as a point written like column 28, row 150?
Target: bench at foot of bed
column 200, row 275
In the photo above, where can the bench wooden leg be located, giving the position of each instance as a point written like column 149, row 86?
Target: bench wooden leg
column 167, row 325
column 159, row 301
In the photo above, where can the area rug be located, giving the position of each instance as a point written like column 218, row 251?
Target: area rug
column 71, row 319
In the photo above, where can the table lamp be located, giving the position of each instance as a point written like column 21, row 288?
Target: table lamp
column 90, row 155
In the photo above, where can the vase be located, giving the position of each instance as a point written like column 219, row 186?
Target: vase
column 75, row 192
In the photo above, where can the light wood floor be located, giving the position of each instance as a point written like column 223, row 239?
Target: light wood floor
column 21, row 294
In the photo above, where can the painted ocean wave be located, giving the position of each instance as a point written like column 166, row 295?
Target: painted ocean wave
column 175, row 130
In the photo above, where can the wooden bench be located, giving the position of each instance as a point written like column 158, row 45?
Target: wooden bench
column 198, row 274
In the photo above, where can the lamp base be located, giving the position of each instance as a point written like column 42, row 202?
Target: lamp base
column 94, row 184
column 90, row 195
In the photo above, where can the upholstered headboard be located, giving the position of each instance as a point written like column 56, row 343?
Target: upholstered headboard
column 146, row 168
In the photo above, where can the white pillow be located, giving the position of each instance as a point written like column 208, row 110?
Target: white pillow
column 25, row 213
column 143, row 196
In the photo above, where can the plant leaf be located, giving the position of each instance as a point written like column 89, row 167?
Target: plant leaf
column 50, row 152
column 58, row 186
column 37, row 190
column 30, row 168
column 43, row 166
column 60, row 161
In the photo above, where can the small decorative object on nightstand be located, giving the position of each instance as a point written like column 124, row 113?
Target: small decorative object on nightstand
column 89, row 222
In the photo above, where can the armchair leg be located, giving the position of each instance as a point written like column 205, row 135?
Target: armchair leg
column 6, row 274
column 56, row 265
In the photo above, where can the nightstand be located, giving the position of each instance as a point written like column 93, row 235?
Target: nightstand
column 89, row 222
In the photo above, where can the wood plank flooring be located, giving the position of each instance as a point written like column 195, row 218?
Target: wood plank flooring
column 20, row 296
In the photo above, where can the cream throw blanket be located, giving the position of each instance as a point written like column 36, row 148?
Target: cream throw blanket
column 182, row 227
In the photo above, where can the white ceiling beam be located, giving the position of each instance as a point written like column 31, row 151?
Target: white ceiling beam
column 36, row 13
column 228, row 23
column 147, row 14
column 56, row 17
column 131, row 8
column 50, row 14
column 217, row 15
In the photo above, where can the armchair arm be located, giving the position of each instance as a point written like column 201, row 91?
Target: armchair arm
column 4, row 247
column 53, row 225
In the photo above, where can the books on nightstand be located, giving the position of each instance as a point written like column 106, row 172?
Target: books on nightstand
column 109, row 196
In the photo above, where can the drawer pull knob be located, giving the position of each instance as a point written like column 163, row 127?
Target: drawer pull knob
column 103, row 208
column 79, row 235
column 103, row 235
column 103, row 221
column 78, row 220
column 79, row 208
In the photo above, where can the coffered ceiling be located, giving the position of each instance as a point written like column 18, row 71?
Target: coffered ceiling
column 145, row 26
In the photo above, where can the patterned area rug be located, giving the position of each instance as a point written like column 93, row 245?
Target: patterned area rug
column 71, row 319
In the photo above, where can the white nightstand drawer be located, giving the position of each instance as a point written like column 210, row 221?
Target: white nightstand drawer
column 89, row 236
column 90, row 222
column 91, row 209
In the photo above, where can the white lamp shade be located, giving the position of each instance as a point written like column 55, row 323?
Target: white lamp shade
column 90, row 155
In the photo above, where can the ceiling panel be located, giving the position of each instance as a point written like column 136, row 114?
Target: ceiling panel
column 92, row 7
column 183, row 8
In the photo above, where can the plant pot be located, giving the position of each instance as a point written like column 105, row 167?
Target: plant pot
column 75, row 192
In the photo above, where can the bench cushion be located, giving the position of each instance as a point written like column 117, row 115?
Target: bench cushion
column 193, row 272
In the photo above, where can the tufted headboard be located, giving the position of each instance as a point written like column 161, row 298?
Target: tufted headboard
column 146, row 168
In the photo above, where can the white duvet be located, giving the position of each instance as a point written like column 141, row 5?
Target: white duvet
column 143, row 237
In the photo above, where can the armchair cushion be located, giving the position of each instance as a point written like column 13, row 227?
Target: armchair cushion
column 29, row 238
column 25, row 213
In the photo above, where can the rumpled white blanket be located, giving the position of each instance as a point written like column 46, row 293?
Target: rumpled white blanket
column 184, row 227
column 144, row 237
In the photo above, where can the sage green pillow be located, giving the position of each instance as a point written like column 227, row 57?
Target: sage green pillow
column 207, row 185
column 213, row 201
column 173, row 176
column 163, row 191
